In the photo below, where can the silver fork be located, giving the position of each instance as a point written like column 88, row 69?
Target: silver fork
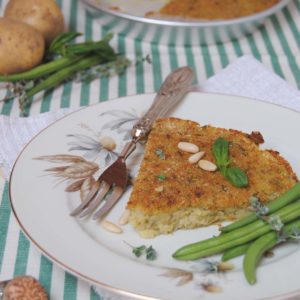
column 115, row 177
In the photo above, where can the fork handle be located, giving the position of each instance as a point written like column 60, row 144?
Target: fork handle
column 173, row 89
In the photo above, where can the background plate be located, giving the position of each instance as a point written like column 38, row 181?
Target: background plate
column 130, row 17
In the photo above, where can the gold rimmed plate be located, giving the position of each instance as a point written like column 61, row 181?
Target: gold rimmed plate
column 42, row 205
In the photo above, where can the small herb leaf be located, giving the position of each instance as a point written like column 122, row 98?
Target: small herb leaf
column 237, row 177
column 161, row 177
column 295, row 233
column 234, row 175
column 220, row 150
column 260, row 208
column 275, row 223
column 151, row 253
column 160, row 153
column 138, row 251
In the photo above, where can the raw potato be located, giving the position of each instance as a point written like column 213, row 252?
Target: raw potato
column 43, row 15
column 21, row 47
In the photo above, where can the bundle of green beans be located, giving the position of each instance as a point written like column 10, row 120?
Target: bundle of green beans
column 251, row 236
column 63, row 60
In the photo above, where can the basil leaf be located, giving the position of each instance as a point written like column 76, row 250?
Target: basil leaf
column 220, row 150
column 237, row 177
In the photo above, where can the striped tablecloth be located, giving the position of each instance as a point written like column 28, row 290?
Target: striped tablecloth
column 276, row 45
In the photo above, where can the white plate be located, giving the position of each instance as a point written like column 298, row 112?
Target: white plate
column 85, row 249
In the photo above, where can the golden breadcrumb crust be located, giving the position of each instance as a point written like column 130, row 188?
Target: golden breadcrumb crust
column 217, row 9
column 170, row 185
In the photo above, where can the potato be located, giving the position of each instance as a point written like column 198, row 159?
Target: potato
column 21, row 46
column 43, row 15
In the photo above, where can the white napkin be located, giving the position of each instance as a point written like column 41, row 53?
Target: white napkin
column 16, row 132
column 249, row 78
column 244, row 77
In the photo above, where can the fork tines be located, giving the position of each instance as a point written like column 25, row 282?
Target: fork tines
column 95, row 197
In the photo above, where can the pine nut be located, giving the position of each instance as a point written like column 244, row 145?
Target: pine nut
column 111, row 227
column 225, row 266
column 188, row 147
column 207, row 165
column 124, row 219
column 159, row 189
column 196, row 157
column 213, row 288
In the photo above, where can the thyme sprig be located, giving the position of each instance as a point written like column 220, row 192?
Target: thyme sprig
column 160, row 153
column 149, row 251
column 161, row 177
column 116, row 67
column 293, row 235
column 275, row 223
column 259, row 208
column 261, row 212
column 208, row 266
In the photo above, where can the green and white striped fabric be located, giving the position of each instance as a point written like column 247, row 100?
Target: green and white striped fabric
column 276, row 45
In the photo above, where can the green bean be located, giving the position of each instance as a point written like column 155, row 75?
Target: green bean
column 42, row 70
column 259, row 247
column 254, row 254
column 291, row 195
column 235, row 252
column 235, row 238
column 101, row 48
column 240, row 232
column 62, row 39
column 58, row 77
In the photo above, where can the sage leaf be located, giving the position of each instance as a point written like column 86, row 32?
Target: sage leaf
column 237, row 177
column 220, row 150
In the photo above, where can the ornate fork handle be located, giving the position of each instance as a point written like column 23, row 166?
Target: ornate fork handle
column 171, row 92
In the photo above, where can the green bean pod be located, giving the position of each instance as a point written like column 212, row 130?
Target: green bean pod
column 62, row 39
column 235, row 252
column 42, row 70
column 259, row 247
column 255, row 252
column 101, row 48
column 291, row 195
column 235, row 238
column 58, row 77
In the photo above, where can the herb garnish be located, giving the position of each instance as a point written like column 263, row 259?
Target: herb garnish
column 258, row 207
column 275, row 223
column 138, row 251
column 161, row 177
column 160, row 153
column 234, row 175
column 262, row 211
column 150, row 252
column 212, row 266
column 293, row 235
